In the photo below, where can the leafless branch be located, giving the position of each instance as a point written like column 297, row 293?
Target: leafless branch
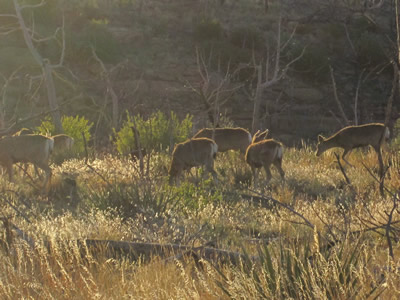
column 340, row 107
column 42, row 2
column 62, row 55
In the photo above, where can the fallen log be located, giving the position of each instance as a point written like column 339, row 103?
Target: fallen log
column 134, row 250
column 138, row 250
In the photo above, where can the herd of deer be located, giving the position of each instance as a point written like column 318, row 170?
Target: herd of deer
column 259, row 150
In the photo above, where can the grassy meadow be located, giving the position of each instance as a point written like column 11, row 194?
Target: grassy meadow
column 320, row 237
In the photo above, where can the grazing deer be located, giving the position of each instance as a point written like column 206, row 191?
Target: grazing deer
column 230, row 138
column 62, row 142
column 262, row 154
column 29, row 148
column 193, row 153
column 351, row 137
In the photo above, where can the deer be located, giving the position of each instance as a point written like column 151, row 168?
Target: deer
column 29, row 148
column 62, row 148
column 350, row 137
column 230, row 138
column 62, row 142
column 193, row 153
column 264, row 153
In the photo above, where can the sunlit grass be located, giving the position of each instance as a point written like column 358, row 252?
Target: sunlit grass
column 112, row 199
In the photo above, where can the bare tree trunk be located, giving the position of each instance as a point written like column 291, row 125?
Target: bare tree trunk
column 110, row 89
column 52, row 97
column 257, row 102
column 46, row 69
column 340, row 107
column 270, row 76
column 266, row 6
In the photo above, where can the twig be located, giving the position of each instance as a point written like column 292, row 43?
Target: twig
column 89, row 166
column 343, row 171
column 336, row 97
column 388, row 227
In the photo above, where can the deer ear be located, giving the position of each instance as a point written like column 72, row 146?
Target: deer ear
column 320, row 138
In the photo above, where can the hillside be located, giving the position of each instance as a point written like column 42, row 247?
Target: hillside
column 184, row 55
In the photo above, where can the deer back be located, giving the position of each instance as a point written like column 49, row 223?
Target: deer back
column 62, row 142
column 33, row 148
column 263, row 152
column 357, row 136
column 227, row 138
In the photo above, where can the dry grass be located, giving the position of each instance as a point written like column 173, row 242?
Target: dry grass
column 115, row 201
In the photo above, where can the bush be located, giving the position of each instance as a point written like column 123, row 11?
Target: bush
column 156, row 133
column 73, row 126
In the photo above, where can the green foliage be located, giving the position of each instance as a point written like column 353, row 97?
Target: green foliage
column 295, row 272
column 196, row 196
column 131, row 199
column 156, row 133
column 73, row 126
column 396, row 135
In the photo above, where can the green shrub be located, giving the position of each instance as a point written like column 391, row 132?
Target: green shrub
column 396, row 135
column 156, row 133
column 73, row 126
column 130, row 199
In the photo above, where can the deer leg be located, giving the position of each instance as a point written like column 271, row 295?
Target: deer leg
column 379, row 153
column 9, row 168
column 278, row 165
column 268, row 172
column 47, row 180
column 345, row 152
column 210, row 169
column 254, row 172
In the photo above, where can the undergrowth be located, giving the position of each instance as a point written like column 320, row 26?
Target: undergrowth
column 313, row 235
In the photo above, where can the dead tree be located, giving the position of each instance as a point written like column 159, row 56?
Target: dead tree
column 46, row 66
column 214, row 90
column 270, row 73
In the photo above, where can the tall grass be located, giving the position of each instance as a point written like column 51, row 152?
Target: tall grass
column 344, row 256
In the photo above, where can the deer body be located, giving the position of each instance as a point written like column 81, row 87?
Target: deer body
column 348, row 138
column 29, row 148
column 228, row 138
column 264, row 154
column 193, row 153
column 62, row 142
